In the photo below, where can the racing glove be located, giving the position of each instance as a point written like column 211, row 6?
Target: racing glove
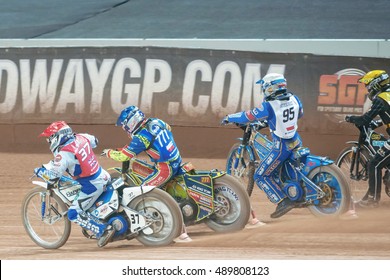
column 351, row 119
column 225, row 120
column 105, row 153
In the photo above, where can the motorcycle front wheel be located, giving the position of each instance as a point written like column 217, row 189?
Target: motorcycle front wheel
column 44, row 218
column 245, row 169
column 357, row 181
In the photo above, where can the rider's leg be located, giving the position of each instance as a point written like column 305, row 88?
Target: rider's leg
column 91, row 189
column 269, row 183
column 375, row 165
column 162, row 174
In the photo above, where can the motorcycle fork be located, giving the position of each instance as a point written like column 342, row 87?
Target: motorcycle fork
column 45, row 200
column 43, row 204
column 354, row 169
column 355, row 160
column 241, row 149
column 240, row 157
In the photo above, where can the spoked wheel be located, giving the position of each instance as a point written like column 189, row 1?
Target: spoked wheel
column 357, row 181
column 245, row 169
column 44, row 218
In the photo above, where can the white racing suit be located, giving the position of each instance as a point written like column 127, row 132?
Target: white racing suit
column 77, row 159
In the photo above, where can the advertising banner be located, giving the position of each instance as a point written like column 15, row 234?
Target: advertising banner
column 188, row 87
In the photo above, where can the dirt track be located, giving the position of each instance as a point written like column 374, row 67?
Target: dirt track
column 297, row 235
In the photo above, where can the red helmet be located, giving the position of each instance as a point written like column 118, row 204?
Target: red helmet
column 57, row 134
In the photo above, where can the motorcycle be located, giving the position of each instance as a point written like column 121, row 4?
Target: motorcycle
column 143, row 212
column 353, row 160
column 208, row 196
column 311, row 181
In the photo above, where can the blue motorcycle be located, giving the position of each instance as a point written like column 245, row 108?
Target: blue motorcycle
column 311, row 181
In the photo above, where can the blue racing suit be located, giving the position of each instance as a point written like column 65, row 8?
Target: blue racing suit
column 154, row 137
column 282, row 115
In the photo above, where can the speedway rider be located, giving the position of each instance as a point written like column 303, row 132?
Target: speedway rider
column 73, row 154
column 153, row 136
column 281, row 109
column 377, row 83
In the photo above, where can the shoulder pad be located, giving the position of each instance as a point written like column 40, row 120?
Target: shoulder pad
column 154, row 126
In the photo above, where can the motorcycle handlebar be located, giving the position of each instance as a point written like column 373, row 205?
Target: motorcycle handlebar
column 254, row 125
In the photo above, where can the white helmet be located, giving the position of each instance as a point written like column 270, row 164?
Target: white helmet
column 272, row 84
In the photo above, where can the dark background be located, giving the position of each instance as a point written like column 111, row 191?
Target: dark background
column 207, row 19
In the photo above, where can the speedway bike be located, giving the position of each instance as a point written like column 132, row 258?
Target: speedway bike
column 143, row 212
column 353, row 160
column 311, row 181
column 203, row 196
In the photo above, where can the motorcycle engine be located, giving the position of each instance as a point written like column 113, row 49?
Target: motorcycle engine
column 293, row 190
column 188, row 211
column 120, row 224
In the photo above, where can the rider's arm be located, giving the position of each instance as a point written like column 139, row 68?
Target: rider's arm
column 136, row 146
column 376, row 107
column 92, row 139
column 300, row 114
column 55, row 168
column 256, row 114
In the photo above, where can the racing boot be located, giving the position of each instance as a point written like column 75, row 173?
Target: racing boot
column 368, row 201
column 102, row 231
column 106, row 237
column 283, row 207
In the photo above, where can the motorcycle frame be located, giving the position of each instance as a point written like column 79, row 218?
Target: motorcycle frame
column 213, row 174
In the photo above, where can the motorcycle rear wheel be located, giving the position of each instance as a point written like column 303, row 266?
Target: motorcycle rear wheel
column 163, row 209
column 333, row 182
column 53, row 229
column 234, row 214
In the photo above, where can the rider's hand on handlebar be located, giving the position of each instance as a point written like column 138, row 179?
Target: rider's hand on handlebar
column 105, row 152
column 263, row 123
column 260, row 125
column 350, row 119
column 38, row 170
column 225, row 120
column 375, row 124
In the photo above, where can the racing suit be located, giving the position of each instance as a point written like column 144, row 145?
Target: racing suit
column 154, row 137
column 380, row 107
column 282, row 116
column 77, row 159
